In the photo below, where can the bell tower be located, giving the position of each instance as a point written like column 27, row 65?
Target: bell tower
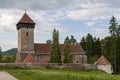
column 25, row 28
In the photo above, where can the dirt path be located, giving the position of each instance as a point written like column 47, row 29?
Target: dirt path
column 6, row 76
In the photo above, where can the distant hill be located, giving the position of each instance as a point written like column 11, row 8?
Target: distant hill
column 12, row 51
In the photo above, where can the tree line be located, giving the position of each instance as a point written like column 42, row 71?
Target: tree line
column 6, row 58
column 109, row 46
column 94, row 47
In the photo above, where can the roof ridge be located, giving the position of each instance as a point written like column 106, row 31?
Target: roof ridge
column 46, row 48
column 59, row 44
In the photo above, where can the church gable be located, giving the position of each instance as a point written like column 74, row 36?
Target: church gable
column 29, row 58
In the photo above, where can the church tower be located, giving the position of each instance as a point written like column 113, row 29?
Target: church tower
column 25, row 28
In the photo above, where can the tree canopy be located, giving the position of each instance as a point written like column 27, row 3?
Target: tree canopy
column 67, row 51
column 55, row 56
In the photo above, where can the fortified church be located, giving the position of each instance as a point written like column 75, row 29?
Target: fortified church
column 28, row 51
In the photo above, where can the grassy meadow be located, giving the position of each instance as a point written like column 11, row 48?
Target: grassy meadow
column 63, row 74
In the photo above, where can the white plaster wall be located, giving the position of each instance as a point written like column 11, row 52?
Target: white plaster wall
column 106, row 68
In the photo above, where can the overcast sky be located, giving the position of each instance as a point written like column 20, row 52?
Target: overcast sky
column 70, row 17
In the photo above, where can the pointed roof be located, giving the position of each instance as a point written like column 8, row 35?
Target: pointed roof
column 29, row 58
column 102, row 61
column 26, row 19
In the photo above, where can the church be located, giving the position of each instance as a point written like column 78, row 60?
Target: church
column 30, row 52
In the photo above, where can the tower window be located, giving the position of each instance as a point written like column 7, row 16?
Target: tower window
column 27, row 34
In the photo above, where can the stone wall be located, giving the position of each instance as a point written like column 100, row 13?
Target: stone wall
column 50, row 65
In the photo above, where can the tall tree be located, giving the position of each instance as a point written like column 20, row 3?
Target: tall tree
column 89, row 44
column 67, row 51
column 73, row 40
column 67, row 40
column 113, row 26
column 118, row 31
column 106, row 48
column 118, row 54
column 55, row 56
column 118, row 49
column 97, row 47
column 0, row 54
column 83, row 43
column 92, row 47
column 113, row 32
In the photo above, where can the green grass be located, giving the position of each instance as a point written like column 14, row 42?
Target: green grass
column 63, row 74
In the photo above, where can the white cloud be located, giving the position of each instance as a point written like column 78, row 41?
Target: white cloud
column 93, row 10
column 100, row 32
column 48, row 28
column 48, row 13
column 46, row 21
column 90, row 23
column 8, row 45
column 8, row 20
column 89, row 14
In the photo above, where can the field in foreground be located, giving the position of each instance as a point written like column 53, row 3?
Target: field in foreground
column 50, row 74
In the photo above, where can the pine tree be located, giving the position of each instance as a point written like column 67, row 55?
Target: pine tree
column 113, row 32
column 118, row 54
column 113, row 26
column 67, row 51
column 0, row 54
column 73, row 40
column 97, row 47
column 83, row 43
column 55, row 56
column 89, row 44
column 67, row 40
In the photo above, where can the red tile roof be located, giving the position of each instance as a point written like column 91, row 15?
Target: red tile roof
column 26, row 19
column 46, row 48
column 102, row 61
column 29, row 58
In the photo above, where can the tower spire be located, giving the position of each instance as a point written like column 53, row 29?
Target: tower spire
column 25, row 20
column 25, row 10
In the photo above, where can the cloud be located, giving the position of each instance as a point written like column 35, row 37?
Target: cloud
column 45, row 20
column 48, row 28
column 8, row 44
column 90, row 14
column 94, row 10
column 90, row 23
column 34, row 4
column 100, row 32
column 8, row 20
column 48, row 13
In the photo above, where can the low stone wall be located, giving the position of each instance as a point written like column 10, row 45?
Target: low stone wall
column 50, row 65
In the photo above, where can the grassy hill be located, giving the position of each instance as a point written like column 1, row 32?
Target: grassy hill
column 12, row 51
column 62, row 74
